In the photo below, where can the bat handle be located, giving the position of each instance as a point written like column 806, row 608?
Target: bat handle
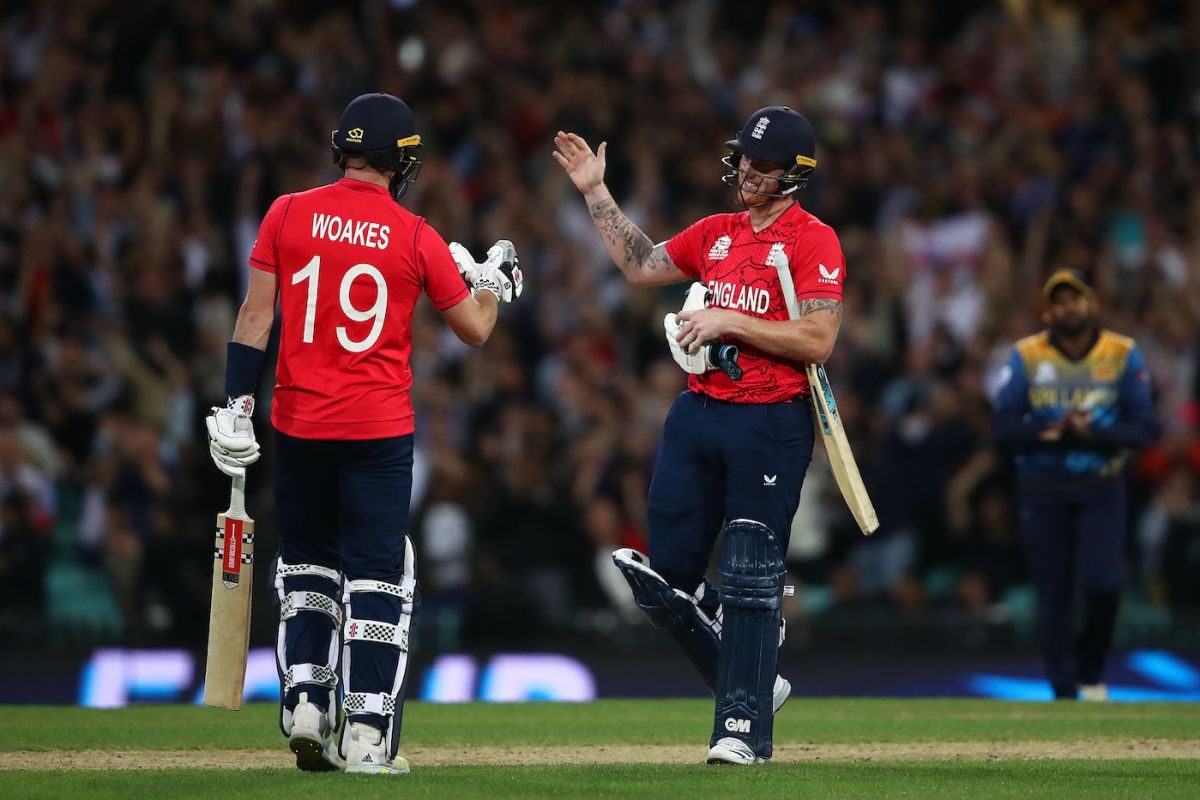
column 237, row 498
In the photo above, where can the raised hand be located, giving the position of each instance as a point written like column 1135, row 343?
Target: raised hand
column 585, row 168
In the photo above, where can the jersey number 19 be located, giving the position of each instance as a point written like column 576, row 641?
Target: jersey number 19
column 376, row 313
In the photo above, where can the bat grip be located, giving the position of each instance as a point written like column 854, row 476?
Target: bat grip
column 237, row 498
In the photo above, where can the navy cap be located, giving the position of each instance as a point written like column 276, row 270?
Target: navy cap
column 376, row 121
column 779, row 135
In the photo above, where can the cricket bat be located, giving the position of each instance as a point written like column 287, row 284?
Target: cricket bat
column 229, row 616
column 837, row 446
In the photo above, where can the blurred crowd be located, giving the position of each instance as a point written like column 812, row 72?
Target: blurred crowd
column 964, row 150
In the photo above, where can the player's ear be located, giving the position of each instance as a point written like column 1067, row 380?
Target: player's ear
column 1046, row 317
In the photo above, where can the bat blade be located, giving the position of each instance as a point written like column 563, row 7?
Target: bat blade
column 837, row 446
column 229, row 615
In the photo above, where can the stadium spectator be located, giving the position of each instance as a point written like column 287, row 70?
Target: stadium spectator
column 965, row 149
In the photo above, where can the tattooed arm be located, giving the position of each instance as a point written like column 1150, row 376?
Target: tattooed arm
column 643, row 262
column 809, row 338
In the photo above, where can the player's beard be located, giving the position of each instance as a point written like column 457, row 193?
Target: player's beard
column 751, row 195
column 1073, row 326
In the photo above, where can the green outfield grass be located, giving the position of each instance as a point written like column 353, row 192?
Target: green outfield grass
column 619, row 723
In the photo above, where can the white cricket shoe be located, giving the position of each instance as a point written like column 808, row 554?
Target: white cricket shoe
column 728, row 750
column 310, row 737
column 1094, row 692
column 780, row 694
column 368, row 753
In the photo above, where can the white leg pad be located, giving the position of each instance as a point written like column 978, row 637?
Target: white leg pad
column 297, row 674
column 395, row 634
column 295, row 602
column 366, row 630
column 287, row 570
column 362, row 702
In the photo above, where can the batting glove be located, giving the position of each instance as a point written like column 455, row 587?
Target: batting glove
column 231, row 436
column 504, row 269
column 500, row 274
column 692, row 363
column 467, row 267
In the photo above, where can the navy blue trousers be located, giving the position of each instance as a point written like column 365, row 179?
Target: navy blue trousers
column 722, row 461
column 344, row 505
column 1074, row 536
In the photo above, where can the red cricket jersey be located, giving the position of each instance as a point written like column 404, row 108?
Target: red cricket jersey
column 725, row 253
column 351, row 264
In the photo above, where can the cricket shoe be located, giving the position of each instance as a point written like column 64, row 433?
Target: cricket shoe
column 780, row 694
column 310, row 737
column 728, row 750
column 368, row 753
column 1094, row 692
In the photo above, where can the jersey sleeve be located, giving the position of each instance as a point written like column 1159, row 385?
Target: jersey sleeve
column 265, row 253
column 1136, row 424
column 685, row 247
column 818, row 266
column 439, row 274
column 1011, row 423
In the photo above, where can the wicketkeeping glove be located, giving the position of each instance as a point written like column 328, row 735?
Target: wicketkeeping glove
column 231, row 436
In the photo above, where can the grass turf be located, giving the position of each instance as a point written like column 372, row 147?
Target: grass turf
column 1063, row 780
column 609, row 721
column 624, row 722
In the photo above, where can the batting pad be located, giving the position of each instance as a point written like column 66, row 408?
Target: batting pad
column 306, row 646
column 375, row 650
column 679, row 614
column 752, row 575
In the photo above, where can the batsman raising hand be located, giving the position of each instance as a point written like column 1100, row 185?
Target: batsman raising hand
column 737, row 443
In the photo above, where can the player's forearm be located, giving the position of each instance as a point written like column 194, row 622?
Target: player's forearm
column 483, row 311
column 253, row 327
column 803, row 339
column 631, row 250
column 489, row 312
column 245, row 353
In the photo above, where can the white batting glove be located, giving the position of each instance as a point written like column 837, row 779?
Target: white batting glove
column 692, row 363
column 504, row 269
column 466, row 264
column 499, row 274
column 231, row 436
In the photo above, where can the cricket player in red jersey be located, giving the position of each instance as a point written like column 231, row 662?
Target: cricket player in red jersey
column 736, row 445
column 347, row 264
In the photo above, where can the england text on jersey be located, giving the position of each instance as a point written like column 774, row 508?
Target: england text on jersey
column 740, row 297
column 737, row 264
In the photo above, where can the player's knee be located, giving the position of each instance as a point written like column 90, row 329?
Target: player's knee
column 752, row 566
column 682, row 579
